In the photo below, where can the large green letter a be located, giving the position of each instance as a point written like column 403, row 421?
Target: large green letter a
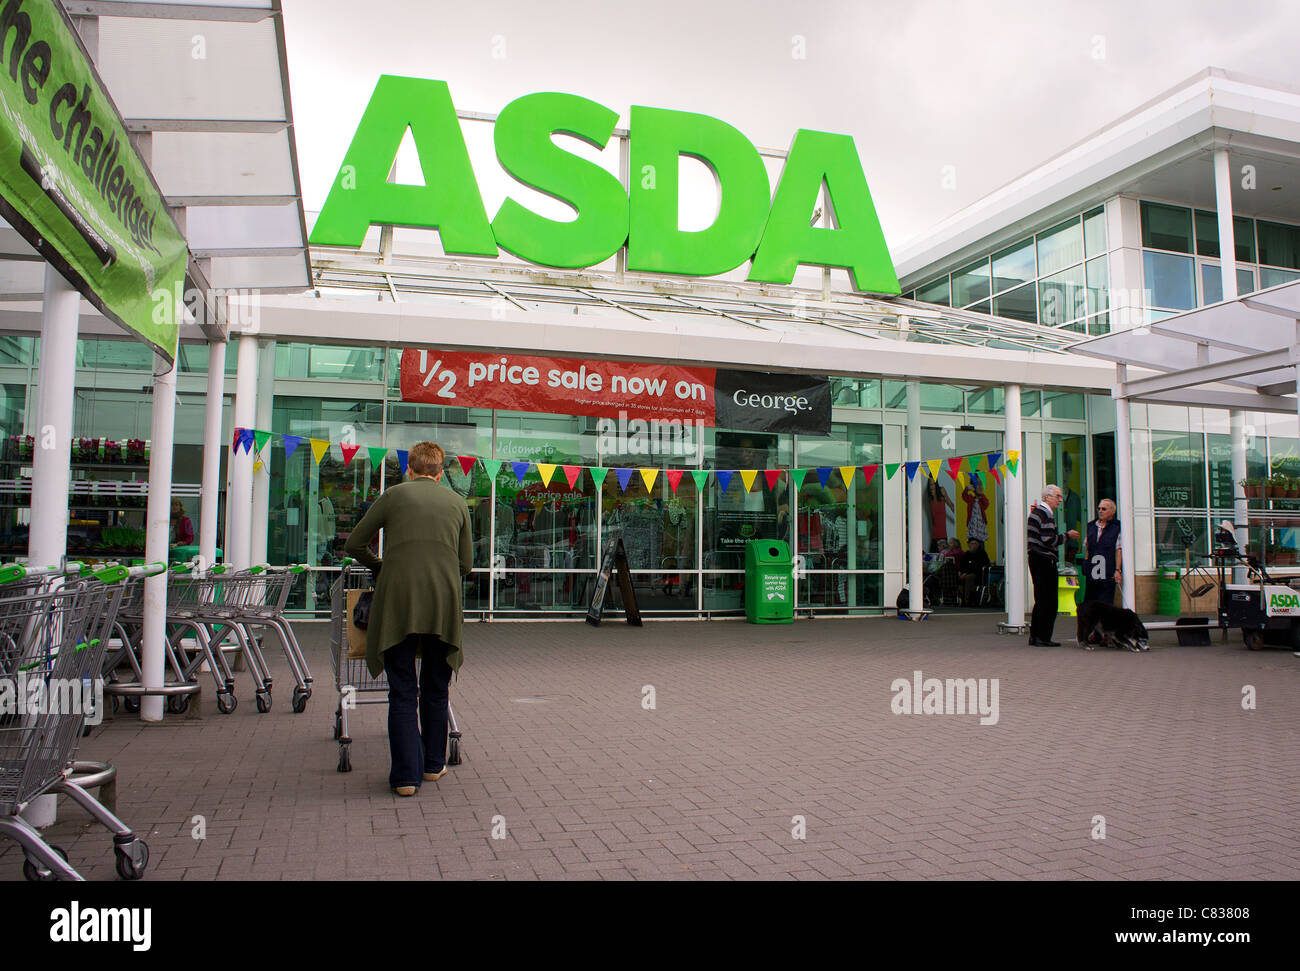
column 449, row 201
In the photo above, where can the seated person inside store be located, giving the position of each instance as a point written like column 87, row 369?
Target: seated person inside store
column 970, row 570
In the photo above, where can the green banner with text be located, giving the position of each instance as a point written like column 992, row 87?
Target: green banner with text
column 73, row 185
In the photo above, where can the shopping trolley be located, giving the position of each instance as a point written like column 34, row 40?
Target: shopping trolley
column 352, row 679
column 53, row 635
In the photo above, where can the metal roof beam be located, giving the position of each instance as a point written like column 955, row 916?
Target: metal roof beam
column 1236, row 368
column 167, row 11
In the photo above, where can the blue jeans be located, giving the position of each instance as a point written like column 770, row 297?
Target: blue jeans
column 417, row 709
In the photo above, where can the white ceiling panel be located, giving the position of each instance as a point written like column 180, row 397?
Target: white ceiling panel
column 259, row 273
column 223, row 164
column 242, row 227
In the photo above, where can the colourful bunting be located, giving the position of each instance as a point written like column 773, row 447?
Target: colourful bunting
column 846, row 474
column 545, row 470
column 648, row 476
column 402, row 455
column 376, row 454
column 891, row 468
column 571, row 472
column 1012, row 464
column 771, row 475
column 257, row 466
column 799, row 475
column 598, row 473
column 319, row 447
column 933, row 465
column 911, row 469
column 994, row 459
column 954, row 466
column 996, row 478
column 238, row 439
column 823, row 474
column 521, row 470
column 259, row 440
column 246, row 439
column 291, row 442
column 747, row 477
column 624, row 477
column 724, row 477
column 673, row 476
column 348, row 452
column 700, row 476
column 492, row 467
column 868, row 473
column 466, row 463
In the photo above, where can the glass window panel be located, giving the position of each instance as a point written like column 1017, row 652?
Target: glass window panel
column 895, row 394
column 115, row 355
column 1063, row 404
column 1018, row 304
column 1220, row 467
column 1030, row 403
column 1099, row 325
column 1176, row 535
column 970, row 284
column 1061, row 297
column 1014, row 266
column 942, row 397
column 1178, row 470
column 855, row 392
column 1270, row 278
column 980, row 308
column 1094, row 232
column 1064, row 464
column 1212, row 283
column 1170, row 280
column 1279, row 245
column 1098, row 292
column 985, row 401
column 1284, row 456
column 1167, row 227
column 936, row 292
column 1207, row 236
column 15, row 350
column 1060, row 246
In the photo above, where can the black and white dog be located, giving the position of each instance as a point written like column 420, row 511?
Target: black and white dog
column 1100, row 623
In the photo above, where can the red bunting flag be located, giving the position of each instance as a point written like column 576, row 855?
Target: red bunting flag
column 771, row 475
column 996, row 478
column 466, row 462
column 348, row 451
column 868, row 473
column 571, row 472
column 673, row 476
column 954, row 466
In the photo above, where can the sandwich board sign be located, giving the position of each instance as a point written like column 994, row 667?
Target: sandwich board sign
column 615, row 559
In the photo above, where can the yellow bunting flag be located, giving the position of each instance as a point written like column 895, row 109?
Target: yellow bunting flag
column 319, row 447
column 846, row 473
column 648, row 476
column 545, row 471
column 962, row 479
column 934, row 468
column 257, row 466
column 1013, row 456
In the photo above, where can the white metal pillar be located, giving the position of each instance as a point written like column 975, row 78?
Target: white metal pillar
column 213, row 445
column 240, row 500
column 262, row 476
column 915, row 579
column 1125, row 500
column 1240, row 506
column 158, row 535
column 1227, row 238
column 1016, row 516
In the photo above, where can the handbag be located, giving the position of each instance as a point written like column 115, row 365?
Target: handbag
column 361, row 610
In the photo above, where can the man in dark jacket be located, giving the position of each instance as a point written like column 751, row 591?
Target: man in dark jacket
column 428, row 548
column 1101, row 544
column 1043, row 540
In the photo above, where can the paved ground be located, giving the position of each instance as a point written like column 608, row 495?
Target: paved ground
column 752, row 727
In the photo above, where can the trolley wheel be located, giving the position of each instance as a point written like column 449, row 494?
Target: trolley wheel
column 131, row 704
column 178, row 704
column 116, row 704
column 338, row 725
column 300, row 696
column 36, row 873
column 1254, row 638
column 132, row 858
column 453, row 750
column 226, row 703
column 263, row 701
column 345, row 758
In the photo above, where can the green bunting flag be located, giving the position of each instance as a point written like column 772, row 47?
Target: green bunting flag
column 598, row 474
column 700, row 476
column 492, row 467
column 798, row 478
column 260, row 439
column 1012, row 464
column 377, row 454
column 891, row 468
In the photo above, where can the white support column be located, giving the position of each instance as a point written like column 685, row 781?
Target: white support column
column 1016, row 516
column 213, row 445
column 1125, row 499
column 157, row 535
column 915, row 578
column 240, row 500
column 1240, row 507
column 262, row 476
column 1227, row 238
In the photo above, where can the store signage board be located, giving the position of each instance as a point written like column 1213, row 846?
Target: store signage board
column 747, row 400
column 73, row 186
column 772, row 230
column 615, row 559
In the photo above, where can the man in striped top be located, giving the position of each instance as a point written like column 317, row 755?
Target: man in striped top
column 1043, row 539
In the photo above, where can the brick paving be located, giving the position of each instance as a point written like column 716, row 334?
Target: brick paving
column 752, row 726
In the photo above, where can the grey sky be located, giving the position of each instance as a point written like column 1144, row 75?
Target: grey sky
column 990, row 88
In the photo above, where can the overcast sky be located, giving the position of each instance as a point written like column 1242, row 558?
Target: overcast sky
column 989, row 88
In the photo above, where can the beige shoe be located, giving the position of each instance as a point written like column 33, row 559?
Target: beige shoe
column 405, row 790
column 435, row 776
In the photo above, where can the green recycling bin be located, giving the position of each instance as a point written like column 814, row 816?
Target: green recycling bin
column 1169, row 594
column 769, row 582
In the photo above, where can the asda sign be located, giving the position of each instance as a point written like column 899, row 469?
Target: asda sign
column 774, row 230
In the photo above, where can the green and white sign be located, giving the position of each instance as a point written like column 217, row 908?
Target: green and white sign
column 775, row 231
column 71, row 183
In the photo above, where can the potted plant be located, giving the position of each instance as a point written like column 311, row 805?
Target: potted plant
column 1250, row 488
column 1292, row 487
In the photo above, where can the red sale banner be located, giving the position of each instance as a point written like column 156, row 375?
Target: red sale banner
column 557, row 385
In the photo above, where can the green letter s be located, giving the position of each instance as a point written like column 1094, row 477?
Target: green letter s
column 449, row 201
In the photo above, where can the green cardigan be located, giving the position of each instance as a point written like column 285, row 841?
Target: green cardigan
column 428, row 547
